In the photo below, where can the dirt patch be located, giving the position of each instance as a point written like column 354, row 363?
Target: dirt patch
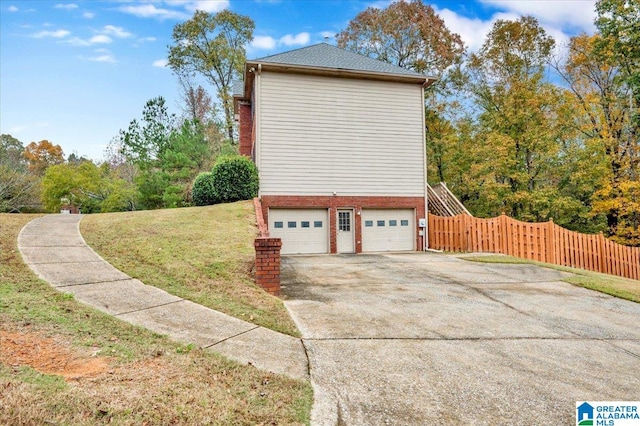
column 48, row 356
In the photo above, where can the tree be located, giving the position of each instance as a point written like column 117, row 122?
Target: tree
column 213, row 46
column 605, row 121
column 619, row 48
column 19, row 189
column 520, row 125
column 166, row 156
column 42, row 155
column 74, row 158
column 619, row 25
column 87, row 186
column 145, row 140
column 407, row 34
column 198, row 106
column 11, row 151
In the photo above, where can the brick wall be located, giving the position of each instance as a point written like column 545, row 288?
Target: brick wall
column 356, row 202
column 268, row 264
column 267, row 255
column 245, row 146
column 260, row 223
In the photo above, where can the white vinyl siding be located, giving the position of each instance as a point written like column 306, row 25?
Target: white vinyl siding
column 324, row 134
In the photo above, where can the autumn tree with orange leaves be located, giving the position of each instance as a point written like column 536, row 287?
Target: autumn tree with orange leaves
column 43, row 154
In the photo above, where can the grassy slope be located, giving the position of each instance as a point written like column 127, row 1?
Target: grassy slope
column 150, row 380
column 203, row 254
column 610, row 284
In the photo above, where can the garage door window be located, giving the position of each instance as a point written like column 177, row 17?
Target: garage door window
column 300, row 230
column 344, row 221
column 388, row 230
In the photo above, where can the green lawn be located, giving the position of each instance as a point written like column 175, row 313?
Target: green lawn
column 610, row 284
column 64, row 363
column 202, row 254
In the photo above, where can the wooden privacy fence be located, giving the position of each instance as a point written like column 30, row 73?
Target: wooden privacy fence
column 544, row 242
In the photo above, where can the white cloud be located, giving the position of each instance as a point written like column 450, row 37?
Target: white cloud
column 146, row 39
column 160, row 63
column 88, row 15
column 100, row 39
column 564, row 14
column 380, row 4
column 12, row 9
column 116, row 31
column 295, row 40
column 151, row 11
column 263, row 42
column 212, row 6
column 53, row 34
column 270, row 43
column 76, row 41
column 68, row 6
column 472, row 30
column 103, row 58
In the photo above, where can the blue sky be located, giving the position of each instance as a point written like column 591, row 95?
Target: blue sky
column 75, row 73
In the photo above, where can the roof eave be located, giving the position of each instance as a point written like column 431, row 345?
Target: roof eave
column 306, row 69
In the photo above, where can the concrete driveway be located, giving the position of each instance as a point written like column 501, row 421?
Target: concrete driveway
column 424, row 338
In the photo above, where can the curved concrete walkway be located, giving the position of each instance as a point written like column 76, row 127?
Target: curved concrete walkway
column 54, row 249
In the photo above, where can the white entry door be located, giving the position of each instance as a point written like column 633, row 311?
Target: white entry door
column 344, row 239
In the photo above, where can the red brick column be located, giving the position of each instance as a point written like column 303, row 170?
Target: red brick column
column 268, row 264
column 245, row 136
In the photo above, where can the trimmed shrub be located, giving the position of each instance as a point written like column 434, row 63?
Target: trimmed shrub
column 235, row 178
column 202, row 192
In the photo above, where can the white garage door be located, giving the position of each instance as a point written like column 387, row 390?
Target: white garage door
column 388, row 230
column 301, row 230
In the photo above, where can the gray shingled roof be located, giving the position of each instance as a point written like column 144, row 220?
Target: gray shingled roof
column 324, row 55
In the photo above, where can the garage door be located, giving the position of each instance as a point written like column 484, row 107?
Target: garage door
column 388, row 230
column 301, row 230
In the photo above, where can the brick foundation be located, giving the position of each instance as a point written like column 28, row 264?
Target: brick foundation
column 357, row 203
column 268, row 264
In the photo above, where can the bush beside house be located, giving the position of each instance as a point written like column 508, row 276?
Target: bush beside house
column 233, row 178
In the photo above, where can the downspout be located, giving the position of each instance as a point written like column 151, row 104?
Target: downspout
column 425, row 230
column 425, row 238
column 258, row 123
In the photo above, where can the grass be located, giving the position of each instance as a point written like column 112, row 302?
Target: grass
column 145, row 378
column 610, row 284
column 202, row 254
